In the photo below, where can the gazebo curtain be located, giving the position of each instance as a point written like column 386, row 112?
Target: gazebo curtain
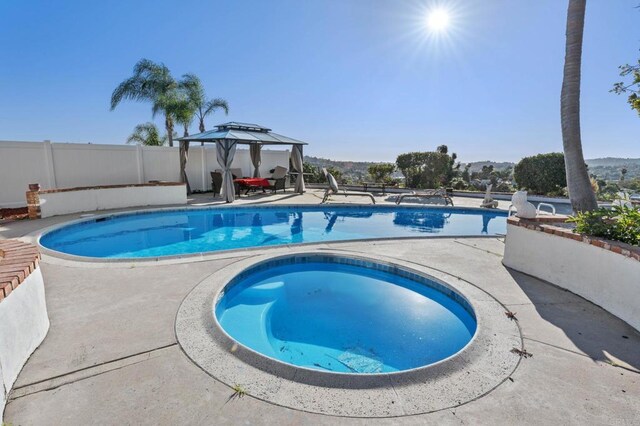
column 226, row 150
column 184, row 156
column 296, row 161
column 254, row 152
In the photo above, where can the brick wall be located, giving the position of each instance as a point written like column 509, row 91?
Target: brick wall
column 33, row 204
column 17, row 261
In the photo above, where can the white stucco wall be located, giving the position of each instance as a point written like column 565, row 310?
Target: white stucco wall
column 601, row 276
column 23, row 325
column 68, row 165
column 57, row 203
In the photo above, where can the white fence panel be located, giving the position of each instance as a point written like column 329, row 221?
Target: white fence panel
column 160, row 163
column 67, row 165
column 93, row 165
column 21, row 163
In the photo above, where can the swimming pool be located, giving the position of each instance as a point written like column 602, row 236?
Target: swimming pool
column 344, row 315
column 197, row 230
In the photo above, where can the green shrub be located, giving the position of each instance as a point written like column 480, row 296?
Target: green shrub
column 313, row 174
column 381, row 173
column 541, row 174
column 459, row 183
column 502, row 187
column 618, row 224
column 608, row 191
column 425, row 169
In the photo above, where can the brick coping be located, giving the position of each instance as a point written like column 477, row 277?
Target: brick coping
column 556, row 225
column 17, row 261
column 132, row 185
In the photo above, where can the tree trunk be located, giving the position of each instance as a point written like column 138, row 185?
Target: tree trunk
column 184, row 156
column 579, row 185
column 168, row 124
column 202, row 129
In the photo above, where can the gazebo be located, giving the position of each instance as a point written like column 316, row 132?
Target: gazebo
column 227, row 136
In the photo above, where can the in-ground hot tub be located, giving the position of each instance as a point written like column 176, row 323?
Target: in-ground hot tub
column 335, row 333
column 344, row 315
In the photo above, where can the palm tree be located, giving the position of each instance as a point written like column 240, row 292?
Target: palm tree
column 190, row 102
column 580, row 190
column 203, row 107
column 183, row 111
column 151, row 82
column 147, row 134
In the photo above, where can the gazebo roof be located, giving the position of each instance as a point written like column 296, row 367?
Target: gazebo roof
column 244, row 133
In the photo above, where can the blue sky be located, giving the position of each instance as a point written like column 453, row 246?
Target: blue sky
column 357, row 79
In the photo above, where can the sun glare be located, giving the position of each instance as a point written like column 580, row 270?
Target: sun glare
column 438, row 20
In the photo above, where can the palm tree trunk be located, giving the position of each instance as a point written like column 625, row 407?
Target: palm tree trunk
column 579, row 185
column 168, row 124
column 202, row 129
column 184, row 156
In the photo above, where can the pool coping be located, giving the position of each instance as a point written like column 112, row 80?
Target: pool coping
column 484, row 363
column 187, row 257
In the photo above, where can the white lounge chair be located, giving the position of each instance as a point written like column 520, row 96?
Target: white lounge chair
column 334, row 190
column 623, row 200
column 488, row 201
column 428, row 194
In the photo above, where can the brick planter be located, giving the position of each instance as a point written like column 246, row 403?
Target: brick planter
column 17, row 261
column 23, row 312
column 604, row 272
column 553, row 225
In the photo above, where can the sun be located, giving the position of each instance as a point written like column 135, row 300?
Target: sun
column 438, row 20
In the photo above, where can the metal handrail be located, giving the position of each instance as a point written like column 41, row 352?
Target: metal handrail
column 553, row 208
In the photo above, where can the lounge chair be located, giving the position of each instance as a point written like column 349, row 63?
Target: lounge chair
column 334, row 190
column 622, row 200
column 489, row 202
column 216, row 182
column 237, row 173
column 428, row 194
column 278, row 179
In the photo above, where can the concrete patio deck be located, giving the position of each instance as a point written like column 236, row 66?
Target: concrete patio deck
column 111, row 355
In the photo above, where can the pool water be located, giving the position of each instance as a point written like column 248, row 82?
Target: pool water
column 175, row 232
column 344, row 318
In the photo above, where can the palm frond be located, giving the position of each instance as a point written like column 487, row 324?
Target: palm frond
column 130, row 88
column 136, row 138
column 214, row 104
column 192, row 85
column 149, row 81
column 146, row 134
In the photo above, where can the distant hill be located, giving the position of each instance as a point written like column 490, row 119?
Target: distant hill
column 610, row 168
column 354, row 170
column 605, row 168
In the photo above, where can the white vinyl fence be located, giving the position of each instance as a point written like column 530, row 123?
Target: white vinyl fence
column 67, row 165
